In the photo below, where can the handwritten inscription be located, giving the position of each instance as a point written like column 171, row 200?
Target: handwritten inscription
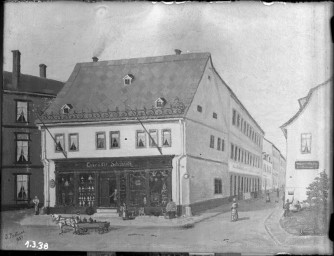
column 37, row 245
column 18, row 235
column 109, row 164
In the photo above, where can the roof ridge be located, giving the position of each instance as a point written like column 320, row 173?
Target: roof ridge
column 42, row 78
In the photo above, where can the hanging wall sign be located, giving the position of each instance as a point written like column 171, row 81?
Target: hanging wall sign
column 307, row 165
column 52, row 183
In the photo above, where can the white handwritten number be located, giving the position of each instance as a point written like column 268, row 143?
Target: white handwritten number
column 40, row 245
column 34, row 244
column 46, row 246
column 27, row 244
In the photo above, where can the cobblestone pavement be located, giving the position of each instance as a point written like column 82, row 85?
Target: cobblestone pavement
column 254, row 233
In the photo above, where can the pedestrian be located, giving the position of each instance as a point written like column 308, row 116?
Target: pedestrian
column 36, row 202
column 283, row 199
column 234, row 210
column 287, row 207
column 113, row 198
column 267, row 197
column 277, row 192
column 171, row 209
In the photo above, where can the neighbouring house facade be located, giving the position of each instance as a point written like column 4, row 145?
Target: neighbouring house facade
column 309, row 136
column 24, row 96
column 282, row 172
column 276, row 166
column 150, row 129
column 267, row 168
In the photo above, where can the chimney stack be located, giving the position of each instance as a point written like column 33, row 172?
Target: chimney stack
column 177, row 51
column 95, row 59
column 16, row 68
column 42, row 70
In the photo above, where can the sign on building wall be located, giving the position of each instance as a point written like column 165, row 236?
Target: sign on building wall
column 307, row 165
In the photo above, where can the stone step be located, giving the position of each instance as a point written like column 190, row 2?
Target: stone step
column 106, row 210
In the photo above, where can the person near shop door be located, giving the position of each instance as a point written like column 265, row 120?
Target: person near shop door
column 114, row 198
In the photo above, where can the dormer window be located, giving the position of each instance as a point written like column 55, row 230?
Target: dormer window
column 128, row 79
column 160, row 102
column 66, row 108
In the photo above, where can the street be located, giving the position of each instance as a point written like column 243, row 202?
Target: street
column 217, row 234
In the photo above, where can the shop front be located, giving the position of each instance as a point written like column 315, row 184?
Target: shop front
column 139, row 182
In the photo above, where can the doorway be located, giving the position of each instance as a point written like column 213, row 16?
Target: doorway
column 108, row 191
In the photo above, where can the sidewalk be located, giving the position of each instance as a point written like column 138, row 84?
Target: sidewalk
column 140, row 221
column 282, row 238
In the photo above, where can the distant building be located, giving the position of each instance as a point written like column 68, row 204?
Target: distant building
column 309, row 138
column 154, row 129
column 267, row 166
column 282, row 172
column 23, row 97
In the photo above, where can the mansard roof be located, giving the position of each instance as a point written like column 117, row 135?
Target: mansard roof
column 97, row 92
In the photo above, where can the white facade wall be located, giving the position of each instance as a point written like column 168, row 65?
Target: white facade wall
column 315, row 120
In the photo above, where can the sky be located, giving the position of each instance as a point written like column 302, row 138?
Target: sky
column 269, row 55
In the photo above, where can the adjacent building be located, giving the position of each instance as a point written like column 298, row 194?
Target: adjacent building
column 150, row 129
column 309, row 136
column 24, row 97
column 267, row 166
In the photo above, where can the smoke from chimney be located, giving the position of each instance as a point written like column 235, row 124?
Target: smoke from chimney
column 42, row 70
column 16, row 68
column 95, row 59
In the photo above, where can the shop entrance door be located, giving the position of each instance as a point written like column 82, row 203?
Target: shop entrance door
column 108, row 192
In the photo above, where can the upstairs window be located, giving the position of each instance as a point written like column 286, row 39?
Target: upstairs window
column 100, row 138
column 160, row 102
column 223, row 144
column 199, row 108
column 232, row 150
column 238, row 121
column 114, row 139
column 166, row 138
column 22, row 111
column 141, row 139
column 22, row 148
column 212, row 141
column 306, row 143
column 73, row 142
column 128, row 79
column 153, row 138
column 218, row 143
column 234, row 114
column 214, row 115
column 60, row 143
column 66, row 108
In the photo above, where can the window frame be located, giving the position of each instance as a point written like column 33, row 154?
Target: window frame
column 55, row 136
column 223, row 145
column 137, row 132
column 16, row 112
column 170, row 136
column 69, row 142
column 16, row 147
column 234, row 114
column 150, row 142
column 301, row 143
column 119, row 139
column 199, row 108
column 15, row 187
column 219, row 183
column 214, row 115
column 212, row 141
column 218, row 143
column 105, row 140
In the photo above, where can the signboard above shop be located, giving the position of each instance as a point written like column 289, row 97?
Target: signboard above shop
column 307, row 165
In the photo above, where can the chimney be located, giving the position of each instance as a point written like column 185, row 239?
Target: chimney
column 95, row 59
column 177, row 51
column 42, row 70
column 16, row 68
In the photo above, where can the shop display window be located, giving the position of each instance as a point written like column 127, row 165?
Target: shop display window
column 158, row 183
column 65, row 189
column 86, row 195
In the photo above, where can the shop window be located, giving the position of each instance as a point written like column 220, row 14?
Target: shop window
column 166, row 138
column 153, row 138
column 115, row 139
column 306, row 143
column 22, row 187
column 212, row 141
column 73, row 142
column 60, row 142
column 137, row 186
column 86, row 195
column 234, row 117
column 100, row 140
column 65, row 189
column 218, row 186
column 160, row 187
column 141, row 139
column 21, row 111
column 22, row 148
column 218, row 143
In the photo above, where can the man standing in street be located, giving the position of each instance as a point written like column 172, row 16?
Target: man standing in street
column 36, row 202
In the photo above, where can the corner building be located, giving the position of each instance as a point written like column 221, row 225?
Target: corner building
column 153, row 128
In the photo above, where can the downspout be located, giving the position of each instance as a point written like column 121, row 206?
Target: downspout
column 46, row 164
column 178, row 164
